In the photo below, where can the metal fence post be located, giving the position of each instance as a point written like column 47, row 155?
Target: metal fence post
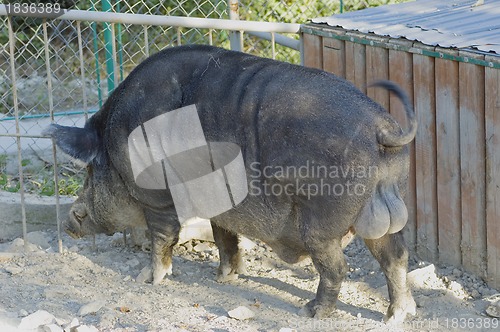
column 95, row 41
column 120, row 44
column 108, row 46
column 12, row 54
column 54, row 150
column 235, row 37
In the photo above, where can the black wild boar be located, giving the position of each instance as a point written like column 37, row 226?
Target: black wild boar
column 322, row 162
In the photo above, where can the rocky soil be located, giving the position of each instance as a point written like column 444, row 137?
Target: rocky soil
column 95, row 288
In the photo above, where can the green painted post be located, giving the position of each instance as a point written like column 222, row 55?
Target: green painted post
column 96, row 54
column 341, row 6
column 119, row 42
column 108, row 47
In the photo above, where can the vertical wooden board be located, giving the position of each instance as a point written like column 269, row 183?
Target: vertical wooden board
column 425, row 157
column 472, row 164
column 355, row 59
column 410, row 233
column 350, row 67
column 360, row 65
column 334, row 56
column 401, row 72
column 313, row 51
column 377, row 68
column 448, row 161
column 492, row 115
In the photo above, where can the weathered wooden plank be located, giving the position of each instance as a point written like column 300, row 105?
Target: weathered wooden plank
column 334, row 56
column 448, row 160
column 377, row 68
column 425, row 156
column 355, row 55
column 401, row 72
column 473, row 166
column 313, row 51
column 350, row 66
column 410, row 232
column 492, row 115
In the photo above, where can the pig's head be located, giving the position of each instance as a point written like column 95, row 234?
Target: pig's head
column 104, row 205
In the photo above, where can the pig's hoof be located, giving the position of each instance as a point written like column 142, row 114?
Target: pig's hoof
column 318, row 311
column 227, row 277
column 397, row 312
column 160, row 272
column 241, row 269
column 230, row 274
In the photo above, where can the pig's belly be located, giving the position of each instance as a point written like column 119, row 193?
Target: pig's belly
column 270, row 220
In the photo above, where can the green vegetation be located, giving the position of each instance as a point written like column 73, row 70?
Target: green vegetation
column 41, row 181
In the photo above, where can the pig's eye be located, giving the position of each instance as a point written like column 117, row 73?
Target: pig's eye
column 79, row 216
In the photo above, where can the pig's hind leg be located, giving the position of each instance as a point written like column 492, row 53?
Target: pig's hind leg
column 231, row 261
column 325, row 249
column 392, row 255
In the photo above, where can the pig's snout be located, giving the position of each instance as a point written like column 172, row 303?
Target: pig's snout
column 77, row 215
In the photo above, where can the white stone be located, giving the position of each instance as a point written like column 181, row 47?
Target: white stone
column 60, row 321
column 17, row 245
column 494, row 309
column 36, row 319
column 287, row 329
column 420, row 277
column 241, row 313
column 39, row 238
column 22, row 313
column 74, row 323
column 196, row 228
column 13, row 270
column 246, row 244
column 85, row 328
column 201, row 247
column 51, row 328
column 91, row 307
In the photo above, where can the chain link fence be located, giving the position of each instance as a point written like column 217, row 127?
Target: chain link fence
column 62, row 69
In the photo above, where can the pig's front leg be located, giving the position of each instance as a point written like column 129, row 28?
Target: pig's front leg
column 231, row 261
column 164, row 228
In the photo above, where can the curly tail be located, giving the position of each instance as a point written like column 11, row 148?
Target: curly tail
column 391, row 139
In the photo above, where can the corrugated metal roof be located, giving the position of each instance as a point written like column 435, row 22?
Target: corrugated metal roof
column 445, row 23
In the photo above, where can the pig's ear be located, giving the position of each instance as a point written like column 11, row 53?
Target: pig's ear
column 79, row 143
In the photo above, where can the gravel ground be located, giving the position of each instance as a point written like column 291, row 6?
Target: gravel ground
column 95, row 289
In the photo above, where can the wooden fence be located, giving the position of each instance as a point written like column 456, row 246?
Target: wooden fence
column 454, row 198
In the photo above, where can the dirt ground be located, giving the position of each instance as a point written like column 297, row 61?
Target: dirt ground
column 96, row 288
